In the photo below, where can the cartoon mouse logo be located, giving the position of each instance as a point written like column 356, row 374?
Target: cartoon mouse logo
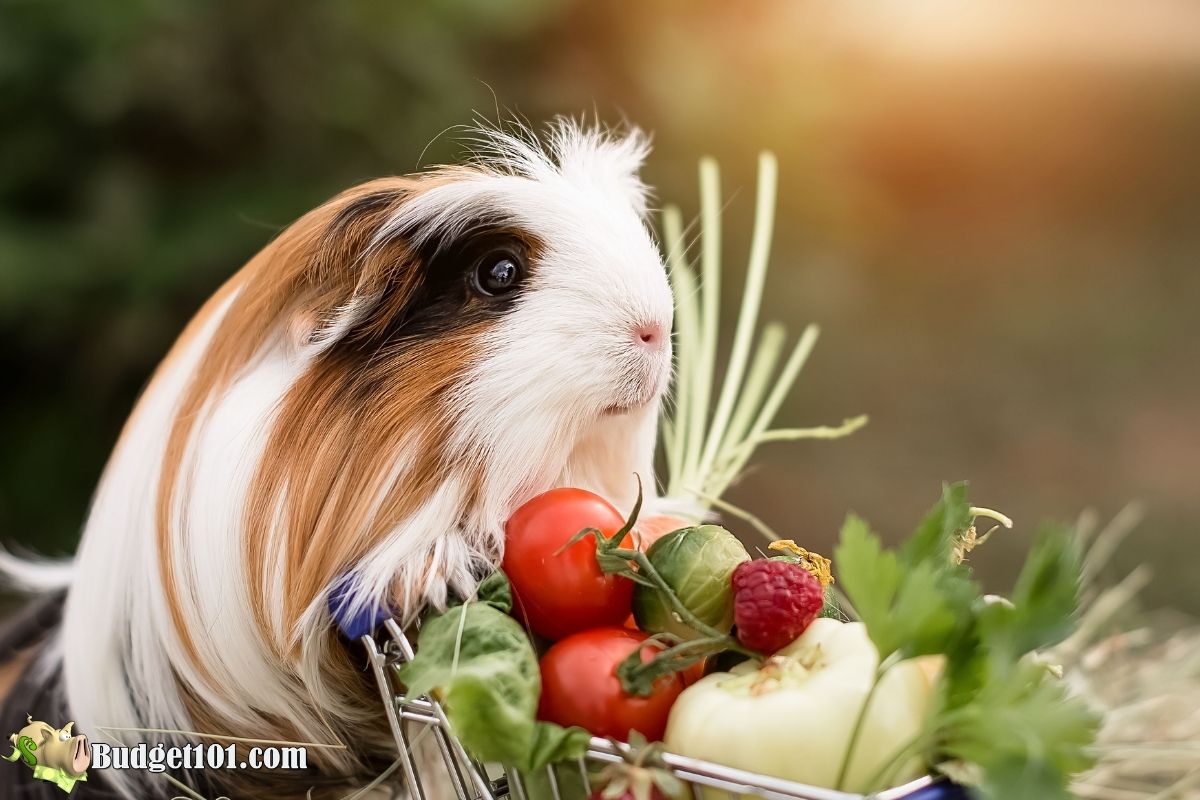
column 54, row 754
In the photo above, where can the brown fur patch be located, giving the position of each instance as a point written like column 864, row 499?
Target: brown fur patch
column 334, row 442
column 309, row 270
column 335, row 437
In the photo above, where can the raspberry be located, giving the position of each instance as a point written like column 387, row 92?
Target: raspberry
column 773, row 603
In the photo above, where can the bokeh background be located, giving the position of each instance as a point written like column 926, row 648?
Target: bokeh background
column 991, row 211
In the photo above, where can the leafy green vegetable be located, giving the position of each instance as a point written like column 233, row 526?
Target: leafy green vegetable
column 903, row 607
column 933, row 540
column 999, row 708
column 559, row 782
column 479, row 662
column 1022, row 728
column 696, row 563
column 496, row 591
column 1044, row 599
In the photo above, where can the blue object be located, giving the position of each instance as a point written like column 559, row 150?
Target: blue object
column 940, row 791
column 353, row 626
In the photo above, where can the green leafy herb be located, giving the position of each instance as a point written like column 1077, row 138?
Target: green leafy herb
column 933, row 540
column 1022, row 728
column 904, row 607
column 1000, row 710
column 479, row 662
column 1043, row 603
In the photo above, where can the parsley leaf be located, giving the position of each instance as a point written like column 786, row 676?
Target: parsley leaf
column 998, row 708
column 933, row 540
column 1046, row 595
column 907, row 606
column 1023, row 729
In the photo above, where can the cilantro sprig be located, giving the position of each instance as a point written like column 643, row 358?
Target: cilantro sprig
column 999, row 711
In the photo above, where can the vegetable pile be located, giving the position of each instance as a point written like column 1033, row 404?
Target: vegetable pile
column 856, row 674
column 754, row 663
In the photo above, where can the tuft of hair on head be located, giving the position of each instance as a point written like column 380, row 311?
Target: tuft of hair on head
column 608, row 158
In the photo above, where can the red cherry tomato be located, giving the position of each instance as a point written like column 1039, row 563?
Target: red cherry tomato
column 693, row 673
column 558, row 593
column 580, row 686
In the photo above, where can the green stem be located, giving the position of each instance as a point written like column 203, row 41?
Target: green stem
column 909, row 750
column 693, row 644
column 980, row 511
column 740, row 513
column 716, row 484
column 856, row 733
column 710, row 302
column 760, row 247
column 684, row 285
column 638, row 677
column 766, row 357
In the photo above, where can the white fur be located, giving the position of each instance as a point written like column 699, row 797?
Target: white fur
column 35, row 574
column 530, row 415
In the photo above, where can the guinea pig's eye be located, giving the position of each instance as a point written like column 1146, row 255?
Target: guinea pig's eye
column 497, row 274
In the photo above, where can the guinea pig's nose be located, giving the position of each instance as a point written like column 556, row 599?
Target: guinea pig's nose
column 650, row 334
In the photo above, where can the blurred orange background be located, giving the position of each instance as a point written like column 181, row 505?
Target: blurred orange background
column 990, row 210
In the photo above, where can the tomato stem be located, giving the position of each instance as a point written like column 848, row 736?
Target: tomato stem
column 638, row 677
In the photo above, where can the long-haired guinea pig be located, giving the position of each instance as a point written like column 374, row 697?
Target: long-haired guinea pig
column 371, row 395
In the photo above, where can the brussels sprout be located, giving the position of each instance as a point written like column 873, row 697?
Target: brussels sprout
column 696, row 563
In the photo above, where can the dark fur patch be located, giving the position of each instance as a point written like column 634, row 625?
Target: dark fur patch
column 39, row 695
column 445, row 298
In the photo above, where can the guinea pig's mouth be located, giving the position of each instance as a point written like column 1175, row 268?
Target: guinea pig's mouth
column 618, row 410
column 640, row 387
column 647, row 397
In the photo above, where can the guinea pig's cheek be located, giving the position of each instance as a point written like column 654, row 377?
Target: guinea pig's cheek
column 653, row 378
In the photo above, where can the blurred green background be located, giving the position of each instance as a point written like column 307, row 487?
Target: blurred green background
column 990, row 211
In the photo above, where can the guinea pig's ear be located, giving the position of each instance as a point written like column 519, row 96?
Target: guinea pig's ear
column 611, row 158
column 350, row 279
column 315, row 330
column 629, row 153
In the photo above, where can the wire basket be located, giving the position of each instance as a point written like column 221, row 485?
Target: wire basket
column 411, row 718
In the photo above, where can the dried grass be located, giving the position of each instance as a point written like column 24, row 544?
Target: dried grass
column 1143, row 671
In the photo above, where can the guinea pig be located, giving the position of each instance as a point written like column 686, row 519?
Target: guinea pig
column 372, row 395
